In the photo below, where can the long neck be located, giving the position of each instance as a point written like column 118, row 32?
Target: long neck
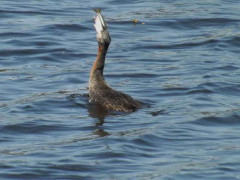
column 98, row 66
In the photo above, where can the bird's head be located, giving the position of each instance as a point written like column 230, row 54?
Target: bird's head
column 100, row 25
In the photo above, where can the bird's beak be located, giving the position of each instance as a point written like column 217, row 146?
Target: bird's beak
column 101, row 28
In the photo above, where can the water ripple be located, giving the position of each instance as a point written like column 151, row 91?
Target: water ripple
column 233, row 120
column 178, row 57
column 31, row 128
column 24, row 52
column 67, row 27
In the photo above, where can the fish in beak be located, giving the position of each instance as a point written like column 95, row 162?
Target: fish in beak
column 101, row 28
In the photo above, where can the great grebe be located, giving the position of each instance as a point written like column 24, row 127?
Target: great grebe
column 99, row 91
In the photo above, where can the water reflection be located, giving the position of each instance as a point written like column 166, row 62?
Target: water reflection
column 94, row 110
column 98, row 112
column 101, row 133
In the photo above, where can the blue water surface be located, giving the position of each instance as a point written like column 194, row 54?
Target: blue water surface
column 180, row 58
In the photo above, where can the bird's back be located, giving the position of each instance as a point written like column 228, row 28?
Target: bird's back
column 113, row 100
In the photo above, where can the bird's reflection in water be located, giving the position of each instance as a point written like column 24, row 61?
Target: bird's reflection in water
column 101, row 133
column 96, row 111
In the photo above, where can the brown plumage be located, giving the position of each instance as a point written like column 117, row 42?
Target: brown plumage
column 99, row 91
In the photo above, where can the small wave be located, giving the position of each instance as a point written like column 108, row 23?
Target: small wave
column 73, row 167
column 14, row 12
column 133, row 75
column 200, row 91
column 67, row 27
column 177, row 91
column 40, row 43
column 202, row 22
column 230, row 89
column 29, row 51
column 124, row 2
column 220, row 121
column 228, row 68
column 120, row 22
column 4, row 139
column 79, row 99
column 30, row 128
column 194, row 23
column 23, row 175
column 234, row 41
column 221, row 88
column 158, row 112
column 183, row 45
column 15, row 34
column 216, row 42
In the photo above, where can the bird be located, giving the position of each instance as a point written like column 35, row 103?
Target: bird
column 100, row 92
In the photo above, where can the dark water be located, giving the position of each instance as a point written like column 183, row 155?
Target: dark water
column 181, row 58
